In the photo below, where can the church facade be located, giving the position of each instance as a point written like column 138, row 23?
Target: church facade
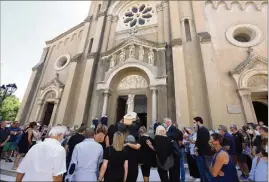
column 177, row 59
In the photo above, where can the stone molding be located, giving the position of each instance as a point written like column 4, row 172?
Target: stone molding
column 242, row 4
column 65, row 33
column 176, row 42
column 101, row 13
column 109, row 18
column 37, row 66
column 92, row 55
column 204, row 37
column 159, row 7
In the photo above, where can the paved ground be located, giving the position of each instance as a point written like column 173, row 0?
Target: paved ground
column 154, row 176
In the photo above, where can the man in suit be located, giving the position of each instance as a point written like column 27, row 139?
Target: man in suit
column 204, row 152
column 173, row 133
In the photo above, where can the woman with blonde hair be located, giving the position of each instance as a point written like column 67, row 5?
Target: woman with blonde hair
column 163, row 147
column 115, row 164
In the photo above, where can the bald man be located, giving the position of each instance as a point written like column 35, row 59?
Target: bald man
column 86, row 158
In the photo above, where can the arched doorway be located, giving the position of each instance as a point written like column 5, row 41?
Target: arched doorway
column 261, row 111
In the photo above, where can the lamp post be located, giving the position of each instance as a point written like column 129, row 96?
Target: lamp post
column 6, row 90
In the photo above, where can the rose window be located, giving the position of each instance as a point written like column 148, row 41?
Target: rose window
column 138, row 15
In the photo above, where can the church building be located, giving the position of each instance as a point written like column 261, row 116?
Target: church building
column 176, row 59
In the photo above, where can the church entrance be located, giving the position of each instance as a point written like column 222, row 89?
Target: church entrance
column 261, row 111
column 48, row 113
column 121, row 107
column 141, row 108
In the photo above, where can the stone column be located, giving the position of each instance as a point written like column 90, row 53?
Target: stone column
column 106, row 35
column 154, row 104
column 160, row 23
column 40, row 102
column 166, row 22
column 54, row 112
column 106, row 95
column 245, row 95
column 114, row 22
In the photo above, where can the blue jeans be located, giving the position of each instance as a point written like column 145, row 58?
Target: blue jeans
column 182, row 169
column 203, row 167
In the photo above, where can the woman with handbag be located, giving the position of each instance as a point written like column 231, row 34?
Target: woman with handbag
column 115, row 163
column 163, row 147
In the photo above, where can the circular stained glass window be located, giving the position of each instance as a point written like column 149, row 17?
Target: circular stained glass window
column 138, row 15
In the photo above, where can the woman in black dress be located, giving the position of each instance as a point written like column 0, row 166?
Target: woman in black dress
column 24, row 143
column 147, row 156
column 115, row 164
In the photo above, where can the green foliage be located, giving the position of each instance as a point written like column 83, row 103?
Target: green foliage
column 9, row 108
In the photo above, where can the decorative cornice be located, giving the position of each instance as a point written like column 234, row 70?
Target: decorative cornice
column 176, row 42
column 76, row 57
column 65, row 33
column 54, row 81
column 235, row 3
column 204, row 37
column 88, row 18
column 133, row 40
column 37, row 66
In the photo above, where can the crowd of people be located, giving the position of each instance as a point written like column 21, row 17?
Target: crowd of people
column 117, row 153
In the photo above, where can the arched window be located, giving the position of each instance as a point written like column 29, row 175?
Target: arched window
column 90, row 47
column 187, row 30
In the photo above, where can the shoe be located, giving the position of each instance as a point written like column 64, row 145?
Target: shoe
column 9, row 160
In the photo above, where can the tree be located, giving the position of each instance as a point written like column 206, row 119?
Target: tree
column 9, row 108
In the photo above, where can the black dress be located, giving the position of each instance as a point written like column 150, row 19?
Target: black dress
column 115, row 168
column 147, row 156
column 23, row 143
column 132, row 156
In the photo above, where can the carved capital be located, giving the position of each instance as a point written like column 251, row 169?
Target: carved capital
column 88, row 18
column 176, row 42
column 204, row 37
column 115, row 18
column 165, row 4
column 102, row 13
column 246, row 93
column 92, row 55
column 40, row 101
column 106, row 92
column 153, row 88
column 159, row 7
column 109, row 17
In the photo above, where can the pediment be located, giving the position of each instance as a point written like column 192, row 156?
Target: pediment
column 253, row 61
column 55, row 82
column 133, row 40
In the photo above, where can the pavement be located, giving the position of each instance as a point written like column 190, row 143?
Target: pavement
column 7, row 174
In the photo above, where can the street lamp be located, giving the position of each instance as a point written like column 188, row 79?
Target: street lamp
column 6, row 90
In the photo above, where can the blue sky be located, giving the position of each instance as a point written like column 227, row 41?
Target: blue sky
column 25, row 26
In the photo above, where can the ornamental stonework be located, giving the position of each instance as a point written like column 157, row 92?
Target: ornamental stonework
column 260, row 81
column 132, row 82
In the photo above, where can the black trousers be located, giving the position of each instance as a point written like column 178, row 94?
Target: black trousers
column 174, row 172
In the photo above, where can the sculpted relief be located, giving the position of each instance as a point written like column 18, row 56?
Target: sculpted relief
column 132, row 82
column 260, row 81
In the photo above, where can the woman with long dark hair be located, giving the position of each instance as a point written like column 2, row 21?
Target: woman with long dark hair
column 222, row 167
column 110, row 133
column 24, row 143
column 115, row 163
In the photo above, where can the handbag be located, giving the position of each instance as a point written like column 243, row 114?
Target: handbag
column 168, row 163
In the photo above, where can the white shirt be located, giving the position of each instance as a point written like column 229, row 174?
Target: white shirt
column 86, row 157
column 43, row 161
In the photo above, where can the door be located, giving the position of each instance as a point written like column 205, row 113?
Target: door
column 121, row 107
column 48, row 113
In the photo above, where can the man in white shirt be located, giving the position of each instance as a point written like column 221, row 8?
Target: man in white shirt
column 86, row 159
column 45, row 161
